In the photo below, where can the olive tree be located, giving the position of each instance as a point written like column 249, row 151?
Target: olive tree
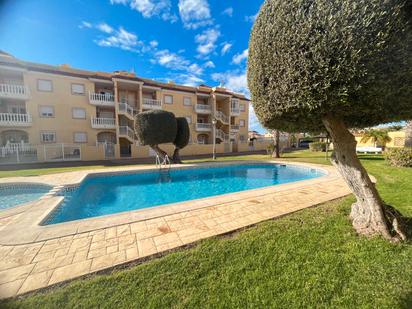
column 335, row 65
column 408, row 134
column 160, row 127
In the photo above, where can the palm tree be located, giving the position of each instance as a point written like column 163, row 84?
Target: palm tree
column 380, row 137
column 408, row 134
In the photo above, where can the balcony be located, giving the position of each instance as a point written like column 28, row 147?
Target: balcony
column 15, row 120
column 203, row 109
column 103, row 123
column 234, row 111
column 222, row 117
column 126, row 109
column 152, row 104
column 126, row 132
column 203, row 127
column 234, row 128
column 14, row 91
column 101, row 99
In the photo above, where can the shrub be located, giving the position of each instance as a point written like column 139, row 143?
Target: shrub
column 317, row 146
column 156, row 127
column 401, row 157
column 183, row 133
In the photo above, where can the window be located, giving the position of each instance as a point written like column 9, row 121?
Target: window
column 78, row 89
column 187, row 101
column 168, row 99
column 46, row 111
column 79, row 113
column 16, row 109
column 242, row 107
column 241, row 123
column 44, row 85
column 48, row 137
column 80, row 137
column 242, row 138
column 189, row 119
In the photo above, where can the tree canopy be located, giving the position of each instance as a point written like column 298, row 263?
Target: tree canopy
column 351, row 59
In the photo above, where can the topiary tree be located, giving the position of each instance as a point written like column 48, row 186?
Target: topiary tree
column 182, row 137
column 316, row 64
column 154, row 128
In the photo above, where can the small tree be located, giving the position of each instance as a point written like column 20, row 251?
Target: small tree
column 316, row 64
column 380, row 137
column 182, row 138
column 160, row 127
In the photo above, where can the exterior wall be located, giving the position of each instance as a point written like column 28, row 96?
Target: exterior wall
column 398, row 140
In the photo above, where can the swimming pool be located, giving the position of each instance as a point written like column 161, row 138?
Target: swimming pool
column 13, row 195
column 104, row 195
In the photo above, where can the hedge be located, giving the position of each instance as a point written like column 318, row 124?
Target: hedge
column 401, row 157
column 317, row 146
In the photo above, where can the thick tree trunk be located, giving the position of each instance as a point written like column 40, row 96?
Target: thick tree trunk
column 408, row 134
column 276, row 152
column 176, row 156
column 369, row 214
column 161, row 153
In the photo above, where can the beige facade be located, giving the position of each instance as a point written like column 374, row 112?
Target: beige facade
column 54, row 113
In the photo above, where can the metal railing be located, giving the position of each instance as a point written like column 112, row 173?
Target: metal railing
column 222, row 135
column 103, row 123
column 203, row 126
column 11, row 119
column 203, row 108
column 234, row 127
column 126, row 131
column 152, row 104
column 102, row 99
column 14, row 91
column 160, row 164
column 235, row 111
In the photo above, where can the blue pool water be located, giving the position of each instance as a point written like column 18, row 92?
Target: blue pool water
column 98, row 196
column 16, row 195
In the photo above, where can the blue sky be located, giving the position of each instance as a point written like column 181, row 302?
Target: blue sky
column 187, row 41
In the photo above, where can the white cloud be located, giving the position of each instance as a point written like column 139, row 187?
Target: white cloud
column 122, row 39
column 228, row 12
column 85, row 24
column 195, row 13
column 238, row 58
column 171, row 60
column 150, row 8
column 209, row 64
column 207, row 41
column 251, row 18
column 104, row 28
column 154, row 43
column 235, row 81
column 226, row 47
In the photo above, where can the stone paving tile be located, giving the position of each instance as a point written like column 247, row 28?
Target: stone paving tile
column 95, row 246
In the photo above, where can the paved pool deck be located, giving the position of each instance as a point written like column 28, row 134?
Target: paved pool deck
column 34, row 257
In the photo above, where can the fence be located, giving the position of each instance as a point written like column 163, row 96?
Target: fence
column 61, row 152
column 18, row 153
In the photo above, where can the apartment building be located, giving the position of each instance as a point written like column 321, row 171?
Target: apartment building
column 52, row 113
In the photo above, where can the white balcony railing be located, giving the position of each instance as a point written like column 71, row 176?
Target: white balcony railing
column 222, row 135
column 125, row 108
column 101, row 99
column 15, row 120
column 125, row 131
column 103, row 123
column 204, row 127
column 222, row 117
column 14, row 91
column 234, row 127
column 152, row 104
column 203, row 108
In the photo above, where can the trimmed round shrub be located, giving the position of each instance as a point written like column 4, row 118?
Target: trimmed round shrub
column 156, row 127
column 183, row 133
column 401, row 157
column 317, row 146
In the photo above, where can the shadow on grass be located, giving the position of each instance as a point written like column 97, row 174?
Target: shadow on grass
column 371, row 158
column 406, row 302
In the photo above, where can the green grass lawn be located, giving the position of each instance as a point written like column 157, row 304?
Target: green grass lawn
column 311, row 258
